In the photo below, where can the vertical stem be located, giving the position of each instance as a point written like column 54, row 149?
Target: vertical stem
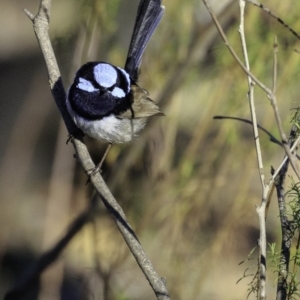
column 265, row 188
column 286, row 240
column 251, row 96
column 262, row 245
column 285, row 228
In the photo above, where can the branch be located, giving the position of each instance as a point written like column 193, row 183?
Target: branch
column 31, row 275
column 278, row 177
column 271, row 136
column 261, row 210
column 271, row 96
column 268, row 11
column 251, row 97
column 41, row 26
column 273, row 139
column 286, row 239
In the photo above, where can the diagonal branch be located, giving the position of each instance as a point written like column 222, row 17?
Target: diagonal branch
column 31, row 275
column 272, row 14
column 278, row 177
column 41, row 26
column 294, row 143
column 271, row 136
column 271, row 96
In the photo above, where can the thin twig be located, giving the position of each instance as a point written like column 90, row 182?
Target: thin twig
column 269, row 93
column 275, row 64
column 268, row 11
column 41, row 26
column 278, row 176
column 261, row 210
column 295, row 145
column 251, row 97
column 286, row 239
column 273, row 139
column 285, row 228
column 31, row 275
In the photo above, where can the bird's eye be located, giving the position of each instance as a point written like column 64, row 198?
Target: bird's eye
column 110, row 89
column 115, row 91
column 86, row 85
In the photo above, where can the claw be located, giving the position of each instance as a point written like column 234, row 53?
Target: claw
column 92, row 172
column 70, row 137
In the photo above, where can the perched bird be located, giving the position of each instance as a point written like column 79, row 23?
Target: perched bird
column 105, row 101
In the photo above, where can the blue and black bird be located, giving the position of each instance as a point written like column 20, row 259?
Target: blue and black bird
column 106, row 101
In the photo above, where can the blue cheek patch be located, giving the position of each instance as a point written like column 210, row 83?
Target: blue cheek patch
column 86, row 85
column 117, row 92
column 105, row 75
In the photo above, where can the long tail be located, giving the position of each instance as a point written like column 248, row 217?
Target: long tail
column 148, row 17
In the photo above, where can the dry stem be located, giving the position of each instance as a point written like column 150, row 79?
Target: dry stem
column 41, row 26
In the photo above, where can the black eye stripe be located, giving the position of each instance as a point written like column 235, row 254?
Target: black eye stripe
column 122, row 81
column 95, row 72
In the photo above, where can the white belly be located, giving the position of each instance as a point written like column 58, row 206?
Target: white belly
column 109, row 129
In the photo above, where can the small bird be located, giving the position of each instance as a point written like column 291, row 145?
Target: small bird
column 105, row 101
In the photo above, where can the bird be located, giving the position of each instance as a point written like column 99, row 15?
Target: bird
column 106, row 101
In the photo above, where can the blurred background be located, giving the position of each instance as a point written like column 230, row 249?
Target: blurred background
column 188, row 185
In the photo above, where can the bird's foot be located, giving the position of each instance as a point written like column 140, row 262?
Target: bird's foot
column 69, row 139
column 91, row 172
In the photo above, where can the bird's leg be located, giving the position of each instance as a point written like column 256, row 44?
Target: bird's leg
column 98, row 167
